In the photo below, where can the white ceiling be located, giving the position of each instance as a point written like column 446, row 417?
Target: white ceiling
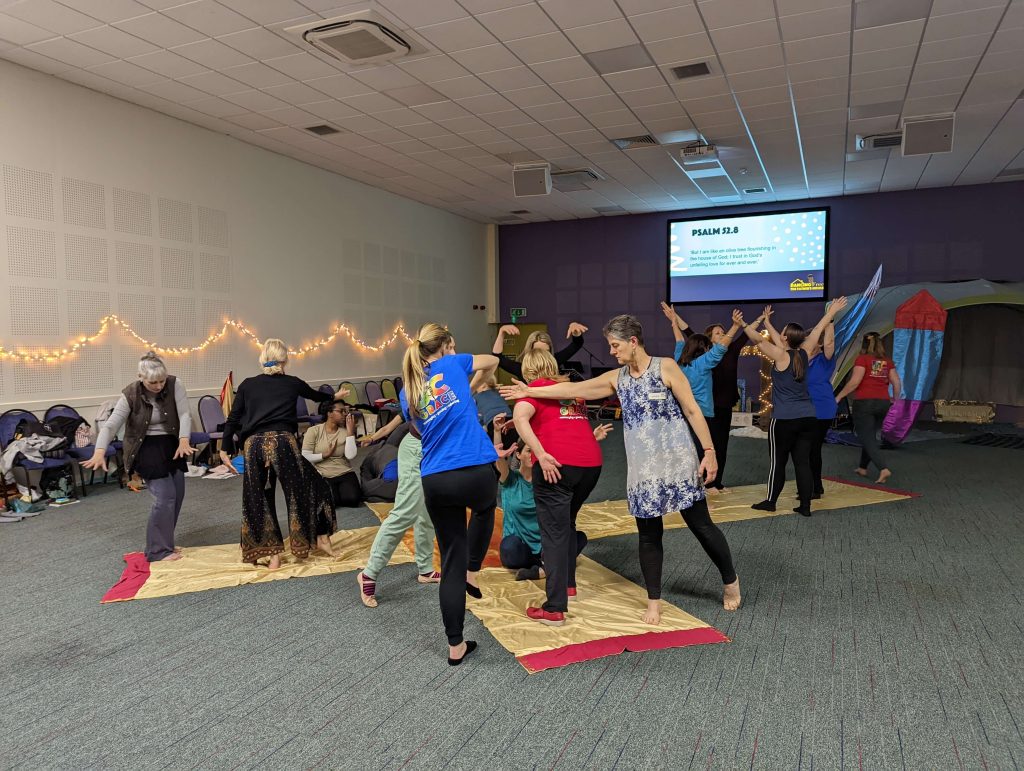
column 513, row 79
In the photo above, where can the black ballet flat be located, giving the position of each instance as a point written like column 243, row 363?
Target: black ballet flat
column 474, row 592
column 802, row 511
column 470, row 647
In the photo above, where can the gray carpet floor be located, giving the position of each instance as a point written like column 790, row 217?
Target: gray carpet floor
column 874, row 637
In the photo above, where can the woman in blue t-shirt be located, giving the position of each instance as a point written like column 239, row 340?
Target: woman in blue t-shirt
column 456, row 467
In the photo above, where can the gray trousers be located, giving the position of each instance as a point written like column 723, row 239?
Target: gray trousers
column 168, row 494
column 868, row 415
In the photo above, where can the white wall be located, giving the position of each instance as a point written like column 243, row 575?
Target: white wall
column 113, row 208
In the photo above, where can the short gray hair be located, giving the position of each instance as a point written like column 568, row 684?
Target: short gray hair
column 152, row 368
column 624, row 327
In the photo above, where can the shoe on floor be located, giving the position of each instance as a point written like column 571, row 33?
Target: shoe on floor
column 528, row 574
column 571, row 592
column 764, row 506
column 802, row 511
column 551, row 618
column 432, row 577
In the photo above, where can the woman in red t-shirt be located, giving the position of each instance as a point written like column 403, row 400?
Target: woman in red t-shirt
column 873, row 373
column 567, row 464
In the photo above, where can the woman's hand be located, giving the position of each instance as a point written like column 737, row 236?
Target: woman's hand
column 185, row 450
column 366, row 439
column 341, row 394
column 601, row 432
column 549, row 467
column 509, row 329
column 226, row 460
column 518, row 390
column 708, row 466
column 737, row 317
column 575, row 330
column 767, row 313
column 504, row 452
column 98, row 461
column 329, row 450
column 835, row 306
column 669, row 311
column 350, row 424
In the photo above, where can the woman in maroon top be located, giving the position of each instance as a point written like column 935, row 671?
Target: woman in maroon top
column 873, row 373
column 566, row 467
column 723, row 387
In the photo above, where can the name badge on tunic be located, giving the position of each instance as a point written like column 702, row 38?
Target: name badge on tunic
column 655, row 396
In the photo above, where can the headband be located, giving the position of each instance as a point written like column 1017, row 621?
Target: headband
column 268, row 364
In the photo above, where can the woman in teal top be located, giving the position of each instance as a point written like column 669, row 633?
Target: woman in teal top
column 697, row 357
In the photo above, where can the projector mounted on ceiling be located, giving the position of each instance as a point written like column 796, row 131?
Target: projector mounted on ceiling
column 358, row 38
column 698, row 152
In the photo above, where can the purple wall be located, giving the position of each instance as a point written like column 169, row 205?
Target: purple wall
column 590, row 270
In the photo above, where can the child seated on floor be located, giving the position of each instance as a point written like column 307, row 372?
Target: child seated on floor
column 520, row 547
column 489, row 404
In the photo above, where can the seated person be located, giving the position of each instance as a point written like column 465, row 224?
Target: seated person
column 520, row 543
column 329, row 446
column 379, row 472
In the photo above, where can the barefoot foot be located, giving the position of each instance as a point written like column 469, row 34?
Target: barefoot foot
column 653, row 613
column 275, row 562
column 862, row 472
column 323, row 543
column 171, row 557
column 883, row 477
column 731, row 595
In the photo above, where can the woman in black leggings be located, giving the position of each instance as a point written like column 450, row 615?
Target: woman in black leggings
column 456, row 468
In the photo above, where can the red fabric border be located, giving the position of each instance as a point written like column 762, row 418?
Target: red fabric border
column 136, row 573
column 613, row 646
column 870, row 486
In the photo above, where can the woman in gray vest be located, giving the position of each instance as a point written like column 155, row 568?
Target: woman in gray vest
column 155, row 415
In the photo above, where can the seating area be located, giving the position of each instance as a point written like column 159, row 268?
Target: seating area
column 367, row 397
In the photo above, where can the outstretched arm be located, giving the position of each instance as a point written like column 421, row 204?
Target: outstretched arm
column 830, row 314
column 773, row 333
column 595, row 388
column 776, row 353
column 499, row 341
column 829, row 348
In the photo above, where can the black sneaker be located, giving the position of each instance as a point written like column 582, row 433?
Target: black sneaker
column 528, row 574
column 764, row 506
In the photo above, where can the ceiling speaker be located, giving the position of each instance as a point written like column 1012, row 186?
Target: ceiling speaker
column 924, row 136
column 531, row 179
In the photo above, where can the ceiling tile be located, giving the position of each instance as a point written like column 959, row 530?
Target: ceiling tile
column 371, row 103
column 572, row 13
column 39, row 62
column 384, row 78
column 729, row 13
column 293, row 116
column 215, row 83
column 259, row 44
column 462, row 88
column 485, row 59
column 666, row 24
column 111, row 41
column 159, row 30
column 816, row 23
column 897, row 76
column 905, row 34
column 418, row 13
column 510, row 79
column 518, row 22
column 127, row 73
column 253, row 121
column 68, row 51
column 564, row 70
column 930, row 88
column 267, row 12
column 946, row 69
column 530, row 97
column 458, row 35
column 22, row 32
column 218, row 108
column 331, row 109
column 256, row 101
column 213, row 54
column 483, row 6
column 711, row 85
column 602, row 36
column 302, row 66
column 339, row 86
column 209, row 17
column 677, row 50
column 598, row 104
column 108, row 10
column 582, row 88
column 814, row 49
column 752, row 59
column 875, row 95
column 169, row 64
column 542, row 48
column 486, row 103
column 295, row 93
column 959, row 24
column 174, row 91
column 442, row 67
column 748, row 81
column 634, row 80
column 415, row 95
column 441, row 111
column 744, row 36
column 51, row 16
column 883, row 60
column 791, row 7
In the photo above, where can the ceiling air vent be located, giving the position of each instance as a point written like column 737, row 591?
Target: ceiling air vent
column 1008, row 173
column 360, row 38
column 608, row 209
column 323, row 130
column 631, row 143
column 509, row 218
column 752, row 190
column 520, row 211
column 574, row 180
column 691, row 70
column 879, row 141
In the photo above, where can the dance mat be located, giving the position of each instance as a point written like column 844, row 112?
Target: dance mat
column 603, row 620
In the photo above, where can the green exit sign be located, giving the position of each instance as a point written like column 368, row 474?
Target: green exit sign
column 517, row 312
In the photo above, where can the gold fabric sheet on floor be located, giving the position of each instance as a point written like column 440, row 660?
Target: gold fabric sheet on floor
column 608, row 605
column 221, row 567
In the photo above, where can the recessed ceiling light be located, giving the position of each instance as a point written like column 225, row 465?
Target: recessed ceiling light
column 881, row 13
column 322, row 130
column 622, row 59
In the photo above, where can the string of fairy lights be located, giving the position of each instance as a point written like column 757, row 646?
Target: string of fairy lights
column 53, row 356
column 764, row 399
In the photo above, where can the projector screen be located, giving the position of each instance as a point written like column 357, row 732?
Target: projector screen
column 749, row 258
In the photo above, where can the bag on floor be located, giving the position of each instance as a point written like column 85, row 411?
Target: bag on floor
column 57, row 483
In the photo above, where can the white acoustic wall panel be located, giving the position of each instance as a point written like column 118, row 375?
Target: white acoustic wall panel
column 86, row 258
column 31, row 252
column 135, row 264
column 180, row 318
column 133, row 212
column 175, row 220
column 35, row 311
column 213, row 228
column 177, row 268
column 85, row 203
column 92, row 371
column 215, row 272
column 28, row 193
column 85, row 308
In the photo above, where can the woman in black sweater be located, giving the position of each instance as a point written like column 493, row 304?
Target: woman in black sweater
column 539, row 340
column 265, row 419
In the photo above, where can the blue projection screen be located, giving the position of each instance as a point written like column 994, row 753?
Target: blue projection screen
column 749, row 258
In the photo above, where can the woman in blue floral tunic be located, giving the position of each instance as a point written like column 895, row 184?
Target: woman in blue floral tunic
column 665, row 473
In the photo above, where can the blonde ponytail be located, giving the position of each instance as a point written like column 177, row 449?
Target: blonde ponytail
column 431, row 339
